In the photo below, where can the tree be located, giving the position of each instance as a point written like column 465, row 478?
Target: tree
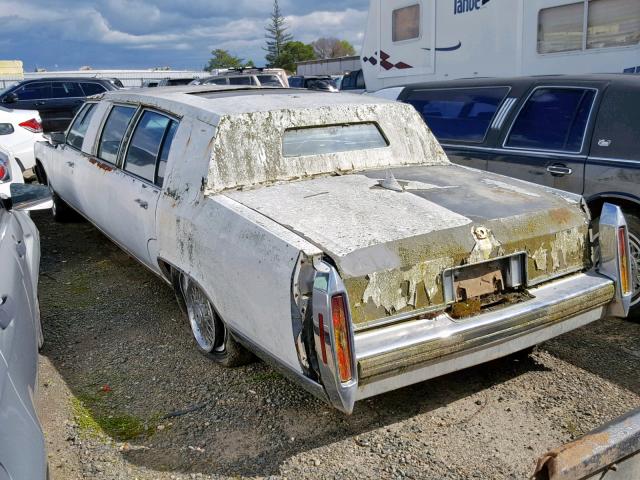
column 276, row 35
column 292, row 53
column 223, row 59
column 330, row 47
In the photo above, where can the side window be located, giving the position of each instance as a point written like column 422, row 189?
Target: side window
column 78, row 129
column 92, row 89
column 149, row 147
column 553, row 119
column 113, row 132
column 347, row 82
column 560, row 28
column 66, row 90
column 217, row 81
column 34, row 91
column 360, row 81
column 462, row 114
column 405, row 23
column 241, row 81
column 164, row 152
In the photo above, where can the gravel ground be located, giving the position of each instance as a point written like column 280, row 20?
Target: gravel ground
column 123, row 393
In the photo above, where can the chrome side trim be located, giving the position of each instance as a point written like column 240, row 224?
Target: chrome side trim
column 612, row 219
column 326, row 284
column 503, row 112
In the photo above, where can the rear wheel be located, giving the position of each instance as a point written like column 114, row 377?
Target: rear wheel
column 212, row 338
column 60, row 209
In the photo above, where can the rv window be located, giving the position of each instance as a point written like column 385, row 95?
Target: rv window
column 560, row 28
column 462, row 114
column 553, row 119
column 298, row 142
column 405, row 23
column 613, row 23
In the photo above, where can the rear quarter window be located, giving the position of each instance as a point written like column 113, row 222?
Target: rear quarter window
column 92, row 89
column 460, row 114
column 618, row 125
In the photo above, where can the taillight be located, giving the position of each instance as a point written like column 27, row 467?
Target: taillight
column 625, row 278
column 32, row 125
column 341, row 333
column 4, row 171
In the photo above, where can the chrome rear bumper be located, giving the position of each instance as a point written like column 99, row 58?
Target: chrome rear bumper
column 414, row 351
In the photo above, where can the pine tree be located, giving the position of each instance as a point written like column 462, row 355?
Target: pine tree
column 276, row 35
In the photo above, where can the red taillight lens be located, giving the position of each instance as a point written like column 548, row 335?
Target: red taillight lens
column 341, row 333
column 4, row 172
column 32, row 125
column 625, row 278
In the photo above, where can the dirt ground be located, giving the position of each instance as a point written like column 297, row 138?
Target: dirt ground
column 124, row 394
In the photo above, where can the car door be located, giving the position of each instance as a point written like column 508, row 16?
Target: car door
column 461, row 118
column 66, row 159
column 135, row 188
column 66, row 98
column 548, row 138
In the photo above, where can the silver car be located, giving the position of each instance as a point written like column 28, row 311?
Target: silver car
column 22, row 450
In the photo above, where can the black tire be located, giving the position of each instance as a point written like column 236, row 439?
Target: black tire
column 633, row 226
column 61, row 210
column 209, row 332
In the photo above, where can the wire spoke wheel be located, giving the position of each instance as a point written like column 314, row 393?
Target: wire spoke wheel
column 207, row 329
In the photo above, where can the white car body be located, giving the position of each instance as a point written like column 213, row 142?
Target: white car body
column 337, row 262
column 20, row 140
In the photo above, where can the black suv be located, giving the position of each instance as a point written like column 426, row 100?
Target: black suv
column 576, row 133
column 57, row 99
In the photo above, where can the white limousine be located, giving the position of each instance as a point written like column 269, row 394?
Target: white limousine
column 330, row 235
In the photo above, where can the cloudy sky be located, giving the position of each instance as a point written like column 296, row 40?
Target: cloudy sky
column 67, row 34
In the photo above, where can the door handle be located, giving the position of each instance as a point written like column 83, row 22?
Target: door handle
column 142, row 203
column 41, row 103
column 71, row 164
column 559, row 170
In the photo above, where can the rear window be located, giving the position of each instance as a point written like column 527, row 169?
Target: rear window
column 300, row 142
column 462, row 114
column 269, row 81
column 553, row 119
column 92, row 89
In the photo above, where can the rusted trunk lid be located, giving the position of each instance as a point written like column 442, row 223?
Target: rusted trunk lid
column 391, row 247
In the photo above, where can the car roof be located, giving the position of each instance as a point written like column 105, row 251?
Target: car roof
column 625, row 78
column 215, row 101
column 70, row 79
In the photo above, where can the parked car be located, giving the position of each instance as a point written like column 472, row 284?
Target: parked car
column 339, row 243
column 353, row 82
column 22, row 446
column 575, row 133
column 57, row 99
column 10, row 172
column 258, row 77
column 314, row 82
column 168, row 82
column 19, row 131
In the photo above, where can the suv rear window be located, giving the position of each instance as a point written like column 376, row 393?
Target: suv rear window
column 554, row 118
column 462, row 114
column 92, row 89
column 299, row 142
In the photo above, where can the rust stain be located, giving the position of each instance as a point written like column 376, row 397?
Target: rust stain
column 100, row 165
column 570, row 455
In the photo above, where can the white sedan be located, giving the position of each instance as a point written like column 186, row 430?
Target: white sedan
column 19, row 131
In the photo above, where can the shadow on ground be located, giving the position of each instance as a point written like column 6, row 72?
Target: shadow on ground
column 116, row 335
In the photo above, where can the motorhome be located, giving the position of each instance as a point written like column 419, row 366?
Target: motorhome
column 410, row 41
